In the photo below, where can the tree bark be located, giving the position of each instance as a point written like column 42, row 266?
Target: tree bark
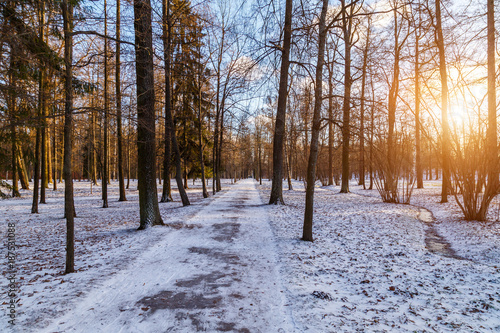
column 362, row 110
column 418, row 150
column 69, row 205
column 391, row 176
column 167, row 157
column 316, row 128
column 119, row 131
column 105, row 170
column 492, row 100
column 21, row 169
column 330, row 125
column 146, row 132
column 43, row 147
column 200, row 131
column 346, row 123
column 279, row 127
column 445, row 136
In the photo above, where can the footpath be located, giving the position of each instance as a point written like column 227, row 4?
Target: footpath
column 216, row 272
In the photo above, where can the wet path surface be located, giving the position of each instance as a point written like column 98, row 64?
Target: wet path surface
column 216, row 272
column 434, row 242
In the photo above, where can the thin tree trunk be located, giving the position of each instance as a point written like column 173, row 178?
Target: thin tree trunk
column 69, row 205
column 279, row 127
column 316, row 127
column 200, row 133
column 43, row 151
column 362, row 110
column 445, row 149
column 13, row 117
column 169, row 128
column 491, row 189
column 21, row 169
column 372, row 130
column 418, row 150
column 121, row 181
column 391, row 176
column 330, row 125
column 346, row 123
column 492, row 99
column 105, row 170
column 54, row 154
column 36, row 171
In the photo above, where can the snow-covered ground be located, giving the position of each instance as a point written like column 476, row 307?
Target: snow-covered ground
column 230, row 263
column 369, row 269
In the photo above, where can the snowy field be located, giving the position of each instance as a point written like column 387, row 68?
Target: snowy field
column 369, row 269
column 233, row 264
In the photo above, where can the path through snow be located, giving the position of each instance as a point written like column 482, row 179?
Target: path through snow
column 217, row 272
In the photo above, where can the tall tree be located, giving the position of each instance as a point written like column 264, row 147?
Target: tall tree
column 362, row 107
column 279, row 127
column 492, row 101
column 105, row 169
column 316, row 128
column 146, row 132
column 347, row 17
column 167, row 51
column 69, row 204
column 418, row 150
column 445, row 135
column 119, row 131
column 170, row 132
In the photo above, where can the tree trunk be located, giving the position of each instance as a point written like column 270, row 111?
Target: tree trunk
column 418, row 152
column 346, row 123
column 119, row 134
column 362, row 110
column 43, row 150
column 146, row 132
column 13, row 117
column 492, row 106
column 167, row 157
column 491, row 189
column 316, row 128
column 372, row 130
column 445, row 148
column 330, row 125
column 200, row 133
column 391, row 176
column 279, row 127
column 105, row 170
column 36, row 171
column 21, row 169
column 69, row 205
column 54, row 154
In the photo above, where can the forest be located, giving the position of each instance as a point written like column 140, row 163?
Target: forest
column 309, row 132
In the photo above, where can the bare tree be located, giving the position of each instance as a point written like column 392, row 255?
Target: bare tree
column 316, row 127
column 445, row 136
column 279, row 127
column 119, row 134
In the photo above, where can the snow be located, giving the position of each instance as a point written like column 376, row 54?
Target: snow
column 371, row 259
column 230, row 263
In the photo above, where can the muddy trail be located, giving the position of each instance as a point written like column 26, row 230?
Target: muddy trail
column 434, row 242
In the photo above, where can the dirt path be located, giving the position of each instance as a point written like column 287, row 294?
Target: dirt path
column 216, row 272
